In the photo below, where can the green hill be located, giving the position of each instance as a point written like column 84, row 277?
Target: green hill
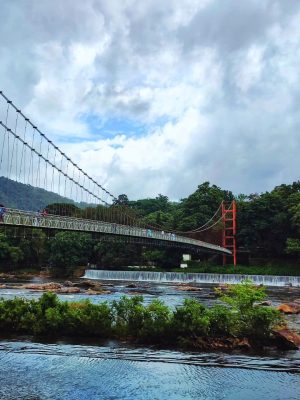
column 25, row 197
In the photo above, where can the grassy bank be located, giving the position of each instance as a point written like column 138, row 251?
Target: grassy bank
column 278, row 270
column 155, row 323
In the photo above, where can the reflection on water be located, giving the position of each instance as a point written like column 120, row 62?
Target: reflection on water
column 65, row 371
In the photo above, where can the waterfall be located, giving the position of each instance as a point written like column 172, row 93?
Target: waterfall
column 164, row 277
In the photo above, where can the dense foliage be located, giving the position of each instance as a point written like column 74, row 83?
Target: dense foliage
column 154, row 323
column 25, row 197
column 268, row 228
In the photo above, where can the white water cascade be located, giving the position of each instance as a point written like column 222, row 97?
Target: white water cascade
column 165, row 277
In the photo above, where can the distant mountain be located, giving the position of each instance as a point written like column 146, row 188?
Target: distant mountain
column 25, row 197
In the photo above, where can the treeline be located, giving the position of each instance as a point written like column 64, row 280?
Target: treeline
column 268, row 228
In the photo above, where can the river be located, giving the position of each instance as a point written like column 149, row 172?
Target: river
column 35, row 370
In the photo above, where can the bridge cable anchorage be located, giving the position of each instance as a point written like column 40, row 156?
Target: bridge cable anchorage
column 56, row 147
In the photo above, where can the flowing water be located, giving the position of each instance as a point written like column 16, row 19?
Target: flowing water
column 163, row 277
column 109, row 370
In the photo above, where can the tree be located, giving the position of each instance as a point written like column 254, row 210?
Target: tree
column 201, row 205
column 64, row 209
column 121, row 200
column 70, row 249
column 293, row 246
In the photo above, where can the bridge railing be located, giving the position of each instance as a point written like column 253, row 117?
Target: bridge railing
column 16, row 217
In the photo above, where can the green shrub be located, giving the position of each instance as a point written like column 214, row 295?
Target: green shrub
column 190, row 320
column 156, row 323
column 242, row 296
column 87, row 319
column 129, row 314
column 222, row 321
column 259, row 321
column 250, row 320
column 130, row 318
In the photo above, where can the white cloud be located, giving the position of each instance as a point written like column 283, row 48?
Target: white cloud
column 215, row 88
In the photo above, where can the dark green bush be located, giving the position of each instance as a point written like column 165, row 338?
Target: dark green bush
column 190, row 320
column 130, row 318
column 156, row 324
column 129, row 314
column 87, row 319
column 222, row 320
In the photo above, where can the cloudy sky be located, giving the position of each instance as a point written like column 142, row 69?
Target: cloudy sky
column 158, row 96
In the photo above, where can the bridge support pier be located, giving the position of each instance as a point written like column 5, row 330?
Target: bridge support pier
column 229, row 230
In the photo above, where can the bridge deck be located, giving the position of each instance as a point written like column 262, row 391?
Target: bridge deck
column 31, row 219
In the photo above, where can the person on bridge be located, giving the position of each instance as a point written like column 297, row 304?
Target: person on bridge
column 44, row 213
column 2, row 212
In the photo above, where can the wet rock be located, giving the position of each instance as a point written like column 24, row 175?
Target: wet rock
column 51, row 286
column 289, row 308
column 287, row 339
column 68, row 284
column 189, row 289
column 69, row 290
column 97, row 292
column 203, row 343
column 132, row 285
column 2, row 286
column 265, row 303
column 4, row 275
column 86, row 284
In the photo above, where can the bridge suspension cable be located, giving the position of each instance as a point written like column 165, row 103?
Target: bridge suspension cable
column 10, row 128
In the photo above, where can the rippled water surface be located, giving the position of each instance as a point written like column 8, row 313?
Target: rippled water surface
column 64, row 370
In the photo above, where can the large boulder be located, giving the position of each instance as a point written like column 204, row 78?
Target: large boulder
column 287, row 339
column 289, row 308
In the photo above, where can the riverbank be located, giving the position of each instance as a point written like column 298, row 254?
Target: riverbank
column 266, row 269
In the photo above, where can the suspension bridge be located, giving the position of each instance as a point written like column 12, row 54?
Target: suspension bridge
column 28, row 156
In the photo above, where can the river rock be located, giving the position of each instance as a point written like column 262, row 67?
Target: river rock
column 51, row 286
column 68, row 284
column 289, row 308
column 132, row 285
column 69, row 290
column 265, row 303
column 3, row 286
column 86, row 284
column 97, row 292
column 189, row 288
column 219, row 343
column 287, row 339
